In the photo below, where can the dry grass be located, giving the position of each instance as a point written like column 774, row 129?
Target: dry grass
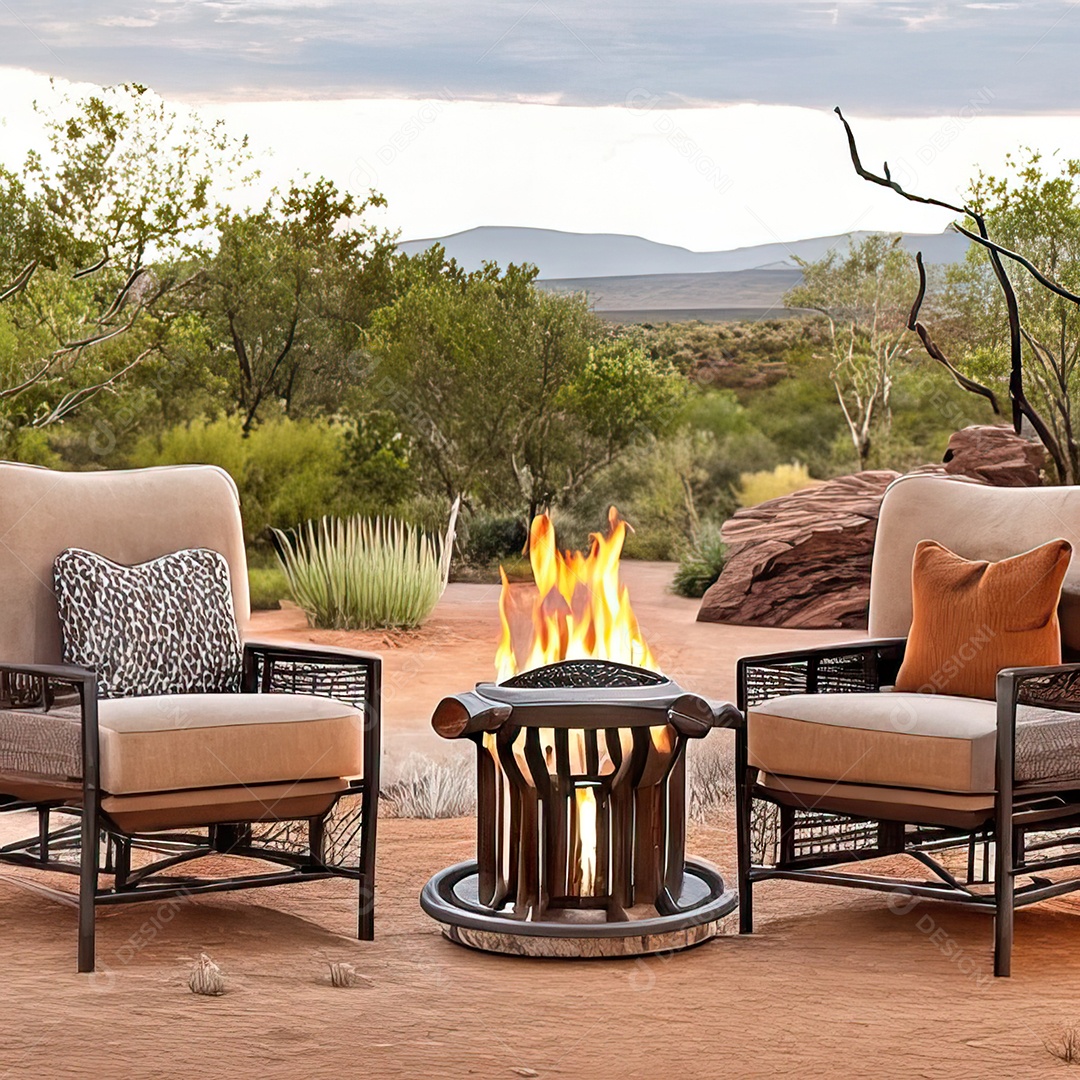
column 431, row 789
column 447, row 789
column 1065, row 1046
column 710, row 779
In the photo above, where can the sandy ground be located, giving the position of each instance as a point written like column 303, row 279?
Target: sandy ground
column 833, row 984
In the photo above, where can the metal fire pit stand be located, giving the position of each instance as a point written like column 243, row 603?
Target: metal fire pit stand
column 581, row 815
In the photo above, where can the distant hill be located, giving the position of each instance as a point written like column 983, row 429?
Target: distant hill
column 566, row 255
column 743, row 290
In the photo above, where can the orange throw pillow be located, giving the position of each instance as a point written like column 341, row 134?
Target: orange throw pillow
column 971, row 619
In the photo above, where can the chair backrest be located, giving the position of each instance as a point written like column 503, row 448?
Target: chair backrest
column 976, row 521
column 128, row 516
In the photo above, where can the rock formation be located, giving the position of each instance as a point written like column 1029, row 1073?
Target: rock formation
column 802, row 561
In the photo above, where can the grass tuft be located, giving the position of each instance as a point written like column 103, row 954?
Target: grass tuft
column 361, row 573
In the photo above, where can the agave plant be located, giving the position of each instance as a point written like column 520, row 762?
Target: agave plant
column 359, row 573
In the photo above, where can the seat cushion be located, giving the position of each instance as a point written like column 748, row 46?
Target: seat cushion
column 934, row 742
column 188, row 741
column 971, row 618
column 162, row 627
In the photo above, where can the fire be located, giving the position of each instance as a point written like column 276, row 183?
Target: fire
column 580, row 611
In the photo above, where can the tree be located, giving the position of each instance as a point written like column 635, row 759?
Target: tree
column 1032, row 207
column 121, row 178
column 513, row 397
column 287, row 293
column 864, row 297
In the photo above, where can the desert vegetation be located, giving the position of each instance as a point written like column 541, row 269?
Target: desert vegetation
column 149, row 316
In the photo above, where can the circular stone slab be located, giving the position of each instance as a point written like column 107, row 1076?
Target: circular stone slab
column 450, row 898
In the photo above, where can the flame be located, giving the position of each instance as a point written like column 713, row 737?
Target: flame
column 580, row 611
column 587, row 839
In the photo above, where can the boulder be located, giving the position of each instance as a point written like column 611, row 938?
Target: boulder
column 996, row 455
column 802, row 561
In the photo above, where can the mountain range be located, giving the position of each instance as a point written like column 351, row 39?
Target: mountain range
column 631, row 279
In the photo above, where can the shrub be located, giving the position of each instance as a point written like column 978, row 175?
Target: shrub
column 268, row 587
column 359, row 573
column 432, row 789
column 489, row 539
column 701, row 563
column 759, row 487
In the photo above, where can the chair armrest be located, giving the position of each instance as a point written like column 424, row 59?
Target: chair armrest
column 858, row 666
column 344, row 674
column 1056, row 686
column 30, row 684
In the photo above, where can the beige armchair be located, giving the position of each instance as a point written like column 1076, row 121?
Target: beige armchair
column 285, row 771
column 985, row 794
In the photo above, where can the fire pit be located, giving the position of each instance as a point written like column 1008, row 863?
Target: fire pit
column 581, row 777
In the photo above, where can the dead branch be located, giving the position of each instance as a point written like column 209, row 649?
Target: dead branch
column 934, row 351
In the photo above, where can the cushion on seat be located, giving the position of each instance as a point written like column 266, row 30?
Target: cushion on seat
column 924, row 741
column 189, row 741
column 971, row 618
column 166, row 626
column 888, row 803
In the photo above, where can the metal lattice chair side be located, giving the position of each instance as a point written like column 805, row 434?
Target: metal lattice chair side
column 306, row 803
column 1000, row 829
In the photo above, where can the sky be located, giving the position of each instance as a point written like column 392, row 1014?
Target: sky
column 703, row 124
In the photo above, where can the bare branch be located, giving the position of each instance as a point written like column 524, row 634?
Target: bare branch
column 935, row 352
column 20, row 282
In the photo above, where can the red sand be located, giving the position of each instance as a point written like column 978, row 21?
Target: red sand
column 834, row 983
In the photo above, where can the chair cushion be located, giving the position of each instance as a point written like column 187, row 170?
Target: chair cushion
column 187, row 741
column 970, row 619
column 931, row 742
column 162, row 627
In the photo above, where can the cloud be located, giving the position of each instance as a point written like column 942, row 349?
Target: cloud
column 879, row 56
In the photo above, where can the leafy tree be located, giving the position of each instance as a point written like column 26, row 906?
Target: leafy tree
column 864, row 296
column 512, row 396
column 287, row 294
column 121, row 178
column 1032, row 207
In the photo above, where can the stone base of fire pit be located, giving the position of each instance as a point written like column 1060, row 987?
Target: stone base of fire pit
column 451, row 899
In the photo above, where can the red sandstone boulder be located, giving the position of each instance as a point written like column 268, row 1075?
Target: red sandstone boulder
column 803, row 561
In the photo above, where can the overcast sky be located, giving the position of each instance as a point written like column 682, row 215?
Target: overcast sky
column 703, row 124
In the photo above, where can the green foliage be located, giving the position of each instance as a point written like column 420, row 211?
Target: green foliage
column 1032, row 207
column 865, row 297
column 268, row 586
column 360, row 573
column 378, row 470
column 759, row 487
column 287, row 471
column 287, row 292
column 489, row 538
column 701, row 563
column 512, row 397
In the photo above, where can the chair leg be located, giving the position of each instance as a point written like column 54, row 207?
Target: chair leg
column 365, row 929
column 743, row 800
column 1004, row 897
column 88, row 880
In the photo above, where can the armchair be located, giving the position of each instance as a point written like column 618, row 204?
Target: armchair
column 835, row 768
column 127, row 790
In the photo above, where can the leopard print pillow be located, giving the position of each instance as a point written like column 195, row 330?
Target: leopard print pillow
column 162, row 627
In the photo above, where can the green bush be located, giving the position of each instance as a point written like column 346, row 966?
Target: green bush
column 287, row 471
column 701, row 563
column 268, row 587
column 491, row 539
column 360, row 573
